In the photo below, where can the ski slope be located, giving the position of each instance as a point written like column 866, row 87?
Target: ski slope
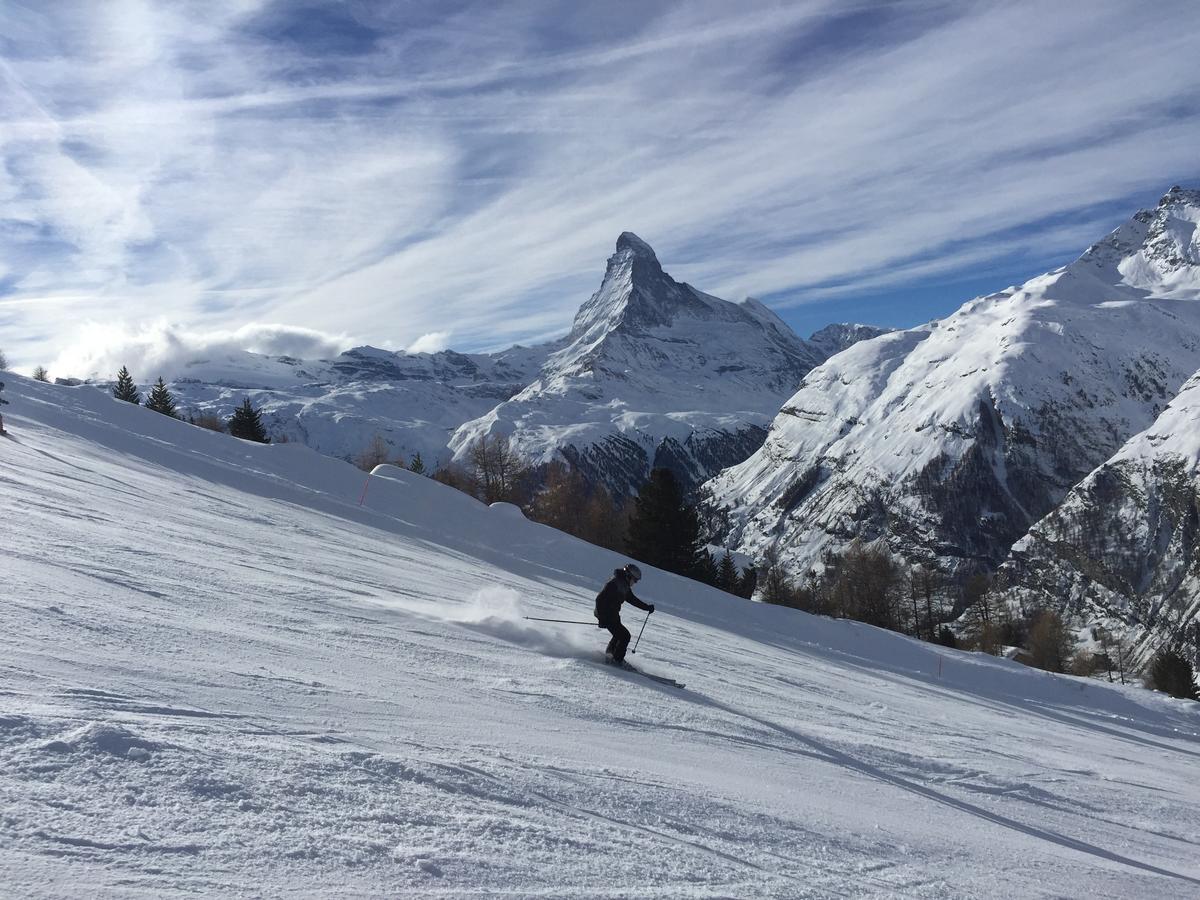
column 220, row 674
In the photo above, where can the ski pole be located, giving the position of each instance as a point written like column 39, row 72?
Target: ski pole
column 640, row 630
column 563, row 621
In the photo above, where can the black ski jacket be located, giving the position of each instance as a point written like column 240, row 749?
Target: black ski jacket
column 613, row 594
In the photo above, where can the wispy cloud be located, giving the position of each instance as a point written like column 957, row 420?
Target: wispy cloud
column 395, row 170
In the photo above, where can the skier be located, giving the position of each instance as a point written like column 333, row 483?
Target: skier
column 608, row 610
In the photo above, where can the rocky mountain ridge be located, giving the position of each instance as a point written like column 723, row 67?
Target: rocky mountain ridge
column 950, row 440
column 1123, row 548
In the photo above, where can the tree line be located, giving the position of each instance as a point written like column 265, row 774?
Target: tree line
column 658, row 526
column 245, row 423
column 867, row 584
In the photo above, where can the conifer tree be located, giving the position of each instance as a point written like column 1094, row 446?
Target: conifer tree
column 161, row 400
column 40, row 374
column 706, row 569
column 727, row 578
column 665, row 530
column 747, row 582
column 946, row 637
column 1172, row 674
column 125, row 388
column 417, row 465
column 246, row 423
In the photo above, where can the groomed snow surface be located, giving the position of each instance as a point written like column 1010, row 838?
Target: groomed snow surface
column 220, row 674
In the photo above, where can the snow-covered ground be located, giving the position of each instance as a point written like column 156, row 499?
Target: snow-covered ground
column 219, row 673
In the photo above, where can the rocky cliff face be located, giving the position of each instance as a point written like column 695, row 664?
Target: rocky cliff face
column 833, row 339
column 950, row 440
column 1123, row 548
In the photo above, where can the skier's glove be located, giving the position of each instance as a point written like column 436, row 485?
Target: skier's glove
column 651, row 608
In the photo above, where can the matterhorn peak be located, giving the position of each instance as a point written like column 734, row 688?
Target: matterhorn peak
column 630, row 243
column 637, row 300
column 634, row 258
column 635, row 292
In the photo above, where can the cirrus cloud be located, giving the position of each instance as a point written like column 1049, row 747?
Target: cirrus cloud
column 394, row 169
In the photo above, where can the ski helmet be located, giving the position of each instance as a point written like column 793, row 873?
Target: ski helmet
column 634, row 573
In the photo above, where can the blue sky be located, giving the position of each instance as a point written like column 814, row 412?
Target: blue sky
column 297, row 177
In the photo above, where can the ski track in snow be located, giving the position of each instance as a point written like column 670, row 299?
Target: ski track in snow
column 219, row 674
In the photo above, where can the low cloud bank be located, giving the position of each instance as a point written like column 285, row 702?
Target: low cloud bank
column 163, row 348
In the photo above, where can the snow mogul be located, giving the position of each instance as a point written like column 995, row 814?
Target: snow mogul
column 618, row 590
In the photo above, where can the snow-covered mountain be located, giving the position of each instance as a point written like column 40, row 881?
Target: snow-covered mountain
column 221, row 675
column 653, row 373
column 951, row 439
column 1123, row 548
column 833, row 339
column 414, row 401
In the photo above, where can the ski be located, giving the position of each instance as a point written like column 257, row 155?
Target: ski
column 661, row 679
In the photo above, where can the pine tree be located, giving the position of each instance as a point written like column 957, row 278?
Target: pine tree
column 946, row 637
column 747, row 582
column 706, row 569
column 246, row 423
column 417, row 465
column 665, row 529
column 161, row 400
column 1172, row 674
column 40, row 374
column 727, row 579
column 125, row 388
